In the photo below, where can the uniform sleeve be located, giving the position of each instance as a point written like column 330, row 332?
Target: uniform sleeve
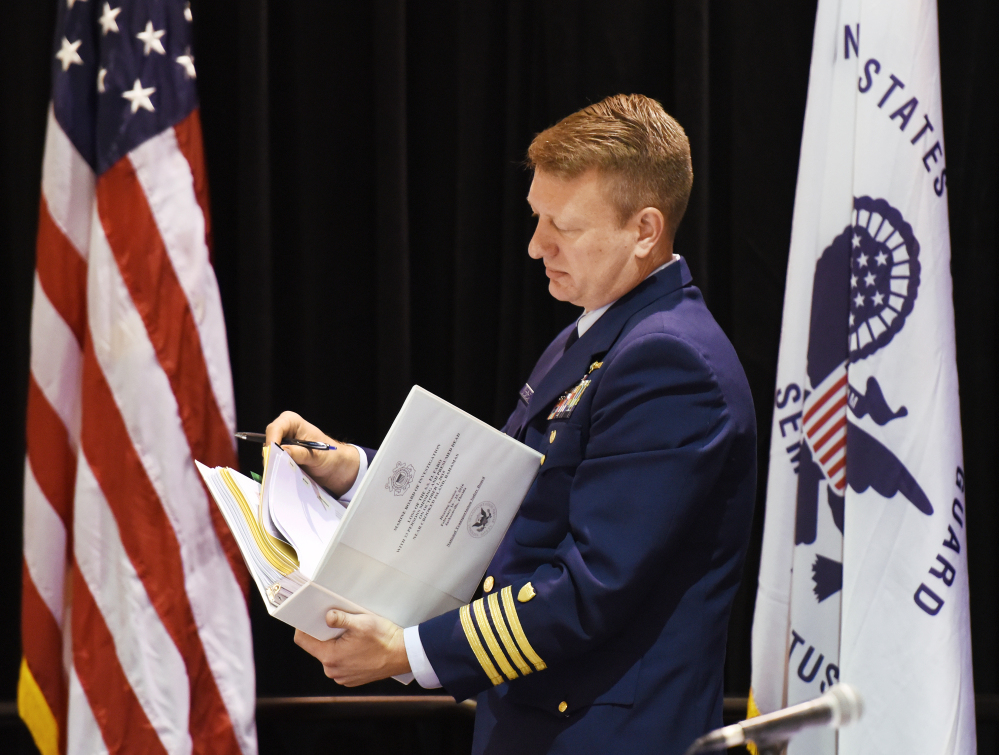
column 364, row 457
column 658, row 437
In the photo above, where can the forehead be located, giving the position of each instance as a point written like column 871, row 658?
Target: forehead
column 551, row 194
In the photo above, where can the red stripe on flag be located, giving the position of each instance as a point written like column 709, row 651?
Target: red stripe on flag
column 50, row 454
column 828, row 415
column 62, row 273
column 840, row 424
column 152, row 547
column 835, row 447
column 825, row 397
column 161, row 302
column 41, row 643
column 189, row 140
column 121, row 718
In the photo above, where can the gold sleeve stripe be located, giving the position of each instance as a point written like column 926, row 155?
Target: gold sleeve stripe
column 487, row 632
column 504, row 633
column 518, row 631
column 480, row 652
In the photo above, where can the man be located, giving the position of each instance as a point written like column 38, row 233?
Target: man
column 604, row 614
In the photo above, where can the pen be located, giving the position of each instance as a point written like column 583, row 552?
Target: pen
column 312, row 445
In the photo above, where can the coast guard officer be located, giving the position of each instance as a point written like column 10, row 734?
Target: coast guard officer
column 603, row 622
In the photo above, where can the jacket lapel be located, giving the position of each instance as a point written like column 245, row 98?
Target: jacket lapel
column 573, row 365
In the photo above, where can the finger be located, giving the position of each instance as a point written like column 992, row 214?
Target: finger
column 301, row 456
column 286, row 425
column 308, row 643
column 337, row 619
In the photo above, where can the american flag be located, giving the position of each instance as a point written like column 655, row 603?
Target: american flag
column 135, row 630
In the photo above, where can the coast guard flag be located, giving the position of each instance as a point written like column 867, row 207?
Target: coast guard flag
column 864, row 570
column 135, row 630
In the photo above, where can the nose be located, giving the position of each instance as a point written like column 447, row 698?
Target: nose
column 540, row 245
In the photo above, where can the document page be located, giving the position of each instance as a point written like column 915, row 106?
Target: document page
column 306, row 516
column 439, row 496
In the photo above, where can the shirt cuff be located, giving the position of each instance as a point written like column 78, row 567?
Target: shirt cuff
column 362, row 467
column 423, row 672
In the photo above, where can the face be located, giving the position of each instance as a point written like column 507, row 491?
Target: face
column 590, row 258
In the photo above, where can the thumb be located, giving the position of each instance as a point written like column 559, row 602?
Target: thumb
column 337, row 619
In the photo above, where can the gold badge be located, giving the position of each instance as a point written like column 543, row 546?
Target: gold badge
column 487, row 586
column 595, row 366
column 526, row 593
column 563, row 706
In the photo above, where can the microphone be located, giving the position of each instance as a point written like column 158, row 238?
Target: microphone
column 840, row 706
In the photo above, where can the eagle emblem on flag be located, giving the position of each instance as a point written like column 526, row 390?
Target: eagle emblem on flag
column 867, row 280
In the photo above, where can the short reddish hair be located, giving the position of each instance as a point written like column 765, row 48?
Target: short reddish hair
column 631, row 139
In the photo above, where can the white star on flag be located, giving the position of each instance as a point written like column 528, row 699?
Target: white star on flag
column 139, row 97
column 869, row 279
column 862, row 260
column 881, row 259
column 187, row 61
column 100, row 79
column 856, row 241
column 859, row 298
column 107, row 19
column 68, row 54
column 151, row 38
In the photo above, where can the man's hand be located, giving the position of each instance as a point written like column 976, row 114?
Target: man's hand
column 372, row 648
column 334, row 470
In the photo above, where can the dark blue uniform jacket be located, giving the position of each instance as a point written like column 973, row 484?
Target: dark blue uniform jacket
column 632, row 540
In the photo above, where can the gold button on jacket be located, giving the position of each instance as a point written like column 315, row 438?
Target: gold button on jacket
column 487, row 586
column 563, row 706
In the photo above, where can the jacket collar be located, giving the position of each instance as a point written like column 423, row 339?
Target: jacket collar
column 600, row 337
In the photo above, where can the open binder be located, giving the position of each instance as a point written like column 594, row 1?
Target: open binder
column 413, row 543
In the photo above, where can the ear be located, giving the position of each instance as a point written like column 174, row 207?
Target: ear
column 650, row 226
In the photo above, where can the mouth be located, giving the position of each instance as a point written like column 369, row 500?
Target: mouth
column 554, row 274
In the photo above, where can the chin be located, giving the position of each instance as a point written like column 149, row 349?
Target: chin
column 559, row 292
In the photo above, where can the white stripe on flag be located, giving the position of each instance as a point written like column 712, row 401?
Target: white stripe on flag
column 83, row 735
column 55, row 362
column 150, row 660
column 166, row 180
column 68, row 185
column 45, row 545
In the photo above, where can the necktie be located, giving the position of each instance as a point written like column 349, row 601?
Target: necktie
column 573, row 337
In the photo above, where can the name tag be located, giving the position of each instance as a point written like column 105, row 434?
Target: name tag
column 525, row 394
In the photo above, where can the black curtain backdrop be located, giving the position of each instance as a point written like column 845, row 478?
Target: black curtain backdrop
column 370, row 229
